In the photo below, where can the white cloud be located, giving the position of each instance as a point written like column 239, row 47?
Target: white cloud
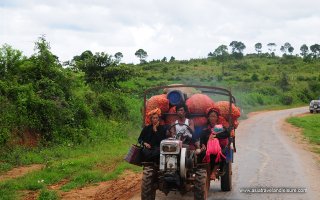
column 184, row 29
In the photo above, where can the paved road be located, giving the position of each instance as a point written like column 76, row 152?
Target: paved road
column 267, row 157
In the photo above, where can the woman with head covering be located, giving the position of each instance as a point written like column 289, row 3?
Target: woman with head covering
column 213, row 139
column 151, row 136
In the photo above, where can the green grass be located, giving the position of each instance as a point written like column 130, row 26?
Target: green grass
column 80, row 169
column 310, row 125
column 98, row 160
column 48, row 195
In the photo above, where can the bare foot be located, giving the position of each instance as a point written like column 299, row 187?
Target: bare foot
column 213, row 176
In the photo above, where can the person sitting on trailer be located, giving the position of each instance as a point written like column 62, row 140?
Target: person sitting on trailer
column 213, row 140
column 151, row 137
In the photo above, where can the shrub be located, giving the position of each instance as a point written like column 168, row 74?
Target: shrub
column 266, row 78
column 112, row 104
column 300, row 78
column 314, row 86
column 304, row 95
column 268, row 91
column 286, row 99
column 255, row 77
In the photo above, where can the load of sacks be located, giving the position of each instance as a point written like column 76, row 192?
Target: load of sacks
column 197, row 104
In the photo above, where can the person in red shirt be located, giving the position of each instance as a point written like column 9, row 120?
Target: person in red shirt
column 213, row 131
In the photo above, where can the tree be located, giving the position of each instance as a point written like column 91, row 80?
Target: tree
column 141, row 54
column 290, row 50
column 286, row 48
column 222, row 50
column 118, row 56
column 258, row 47
column 315, row 49
column 237, row 47
column 272, row 48
column 221, row 53
column 172, row 59
column 101, row 70
column 164, row 59
column 210, row 54
column 42, row 48
column 93, row 65
column 304, row 50
column 10, row 59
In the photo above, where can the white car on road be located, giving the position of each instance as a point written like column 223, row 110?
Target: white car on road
column 314, row 106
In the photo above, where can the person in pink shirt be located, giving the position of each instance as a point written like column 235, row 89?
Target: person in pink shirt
column 213, row 139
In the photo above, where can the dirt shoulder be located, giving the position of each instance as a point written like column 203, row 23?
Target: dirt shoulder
column 120, row 189
column 20, row 171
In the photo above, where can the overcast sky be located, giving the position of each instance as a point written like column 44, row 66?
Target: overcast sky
column 181, row 28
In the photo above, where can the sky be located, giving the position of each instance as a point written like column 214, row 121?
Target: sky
column 184, row 29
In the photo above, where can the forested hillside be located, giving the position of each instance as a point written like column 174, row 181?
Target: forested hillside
column 78, row 118
column 95, row 97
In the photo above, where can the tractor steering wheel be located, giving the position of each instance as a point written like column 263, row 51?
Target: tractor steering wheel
column 182, row 131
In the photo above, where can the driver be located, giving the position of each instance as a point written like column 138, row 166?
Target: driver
column 184, row 126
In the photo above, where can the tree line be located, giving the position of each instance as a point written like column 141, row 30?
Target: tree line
column 237, row 48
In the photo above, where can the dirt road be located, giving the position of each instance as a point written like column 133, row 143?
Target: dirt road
column 267, row 157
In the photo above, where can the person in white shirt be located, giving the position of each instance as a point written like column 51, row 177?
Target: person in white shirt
column 185, row 127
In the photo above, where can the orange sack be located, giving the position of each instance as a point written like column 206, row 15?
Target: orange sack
column 200, row 121
column 199, row 103
column 170, row 119
column 224, row 110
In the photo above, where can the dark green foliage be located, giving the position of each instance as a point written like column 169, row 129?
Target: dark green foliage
column 61, row 104
column 314, row 86
column 268, row 91
column 305, row 95
column 165, row 69
column 284, row 82
column 286, row 99
column 142, row 55
column 241, row 66
column 113, row 105
column 37, row 97
column 101, row 70
column 266, row 78
column 10, row 60
column 255, row 77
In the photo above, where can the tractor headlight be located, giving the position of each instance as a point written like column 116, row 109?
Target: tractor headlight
column 169, row 148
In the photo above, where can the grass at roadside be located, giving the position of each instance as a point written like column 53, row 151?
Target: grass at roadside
column 81, row 165
column 79, row 169
column 311, row 128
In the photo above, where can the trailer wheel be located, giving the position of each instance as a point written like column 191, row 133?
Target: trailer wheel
column 226, row 179
column 148, row 190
